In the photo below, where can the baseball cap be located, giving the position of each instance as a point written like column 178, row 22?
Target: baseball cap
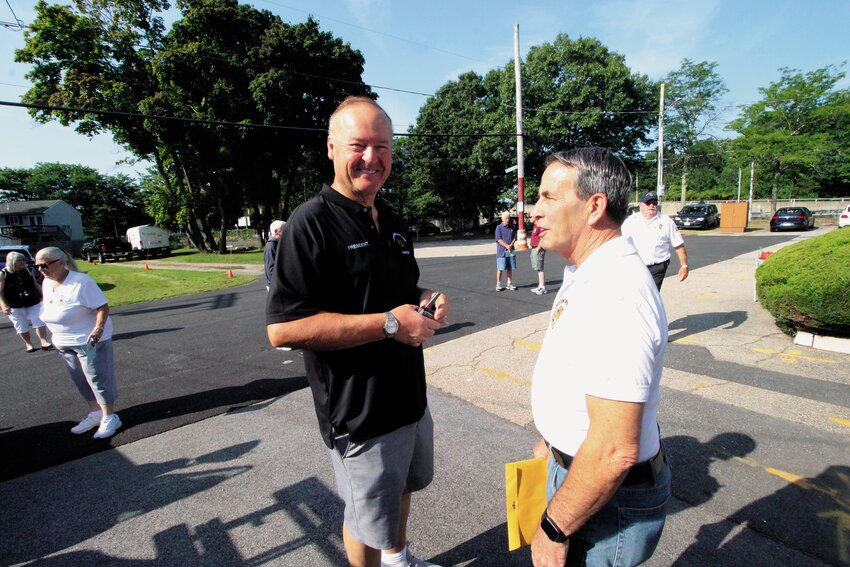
column 651, row 196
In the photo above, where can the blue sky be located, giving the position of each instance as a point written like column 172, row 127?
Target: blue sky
column 418, row 46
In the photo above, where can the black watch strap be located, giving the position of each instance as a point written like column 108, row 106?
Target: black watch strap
column 551, row 529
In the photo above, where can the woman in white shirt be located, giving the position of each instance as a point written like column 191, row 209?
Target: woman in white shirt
column 77, row 314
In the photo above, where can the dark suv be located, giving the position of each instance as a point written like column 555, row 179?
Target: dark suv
column 703, row 215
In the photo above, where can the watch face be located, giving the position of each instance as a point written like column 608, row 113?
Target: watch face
column 391, row 326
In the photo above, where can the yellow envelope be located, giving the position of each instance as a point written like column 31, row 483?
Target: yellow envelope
column 525, row 499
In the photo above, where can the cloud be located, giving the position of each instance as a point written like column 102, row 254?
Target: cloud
column 654, row 35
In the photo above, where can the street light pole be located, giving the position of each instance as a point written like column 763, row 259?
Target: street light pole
column 520, row 148
column 660, row 191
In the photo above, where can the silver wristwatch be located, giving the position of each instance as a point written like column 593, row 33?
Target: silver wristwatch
column 390, row 326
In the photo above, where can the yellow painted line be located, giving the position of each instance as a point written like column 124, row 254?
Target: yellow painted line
column 501, row 375
column 840, row 421
column 706, row 295
column 794, row 355
column 791, row 478
column 686, row 341
column 530, row 345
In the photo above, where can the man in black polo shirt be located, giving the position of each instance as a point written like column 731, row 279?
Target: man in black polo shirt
column 347, row 293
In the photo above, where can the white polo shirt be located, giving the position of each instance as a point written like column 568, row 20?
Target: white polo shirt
column 654, row 237
column 607, row 337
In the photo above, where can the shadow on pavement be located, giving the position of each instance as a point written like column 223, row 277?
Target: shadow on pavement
column 35, row 448
column 810, row 514
column 487, row 549
column 116, row 491
column 699, row 322
column 691, row 460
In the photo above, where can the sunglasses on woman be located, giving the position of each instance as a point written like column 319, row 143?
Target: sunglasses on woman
column 46, row 264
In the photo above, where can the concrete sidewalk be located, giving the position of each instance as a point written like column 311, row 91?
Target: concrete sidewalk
column 255, row 486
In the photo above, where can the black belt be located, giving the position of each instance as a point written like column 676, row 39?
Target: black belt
column 639, row 474
column 665, row 262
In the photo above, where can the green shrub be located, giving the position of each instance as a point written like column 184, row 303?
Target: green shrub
column 806, row 286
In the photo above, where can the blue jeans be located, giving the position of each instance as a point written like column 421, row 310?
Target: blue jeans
column 626, row 530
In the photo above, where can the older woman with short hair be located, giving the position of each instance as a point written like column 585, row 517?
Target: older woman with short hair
column 20, row 299
column 77, row 314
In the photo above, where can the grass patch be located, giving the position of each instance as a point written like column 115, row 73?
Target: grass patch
column 193, row 256
column 124, row 285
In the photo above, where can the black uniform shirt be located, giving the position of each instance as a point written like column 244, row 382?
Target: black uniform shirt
column 334, row 260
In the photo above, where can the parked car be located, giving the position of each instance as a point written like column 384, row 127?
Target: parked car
column 149, row 241
column 25, row 250
column 792, row 218
column 106, row 248
column 489, row 228
column 844, row 217
column 702, row 215
column 423, row 229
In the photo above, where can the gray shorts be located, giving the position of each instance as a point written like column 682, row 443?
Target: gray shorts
column 93, row 371
column 537, row 259
column 372, row 476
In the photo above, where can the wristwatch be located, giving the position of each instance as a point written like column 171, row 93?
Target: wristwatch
column 390, row 326
column 553, row 532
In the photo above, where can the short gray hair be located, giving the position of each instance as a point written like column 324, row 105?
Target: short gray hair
column 276, row 225
column 599, row 171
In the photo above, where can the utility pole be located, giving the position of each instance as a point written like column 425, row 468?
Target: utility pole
column 752, row 185
column 660, row 188
column 739, row 184
column 520, row 147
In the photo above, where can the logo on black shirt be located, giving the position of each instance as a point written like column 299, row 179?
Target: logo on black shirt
column 400, row 240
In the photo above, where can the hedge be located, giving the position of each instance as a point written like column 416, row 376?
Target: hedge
column 806, row 286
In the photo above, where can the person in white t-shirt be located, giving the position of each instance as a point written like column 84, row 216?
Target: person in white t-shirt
column 653, row 233
column 77, row 314
column 596, row 386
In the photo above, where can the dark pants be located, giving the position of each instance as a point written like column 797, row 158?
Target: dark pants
column 658, row 271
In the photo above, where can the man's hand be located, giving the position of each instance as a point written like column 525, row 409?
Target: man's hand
column 547, row 553
column 441, row 308
column 683, row 273
column 414, row 329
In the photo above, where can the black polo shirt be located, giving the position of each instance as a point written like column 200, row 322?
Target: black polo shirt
column 334, row 260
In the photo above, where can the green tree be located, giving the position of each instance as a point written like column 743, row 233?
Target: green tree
column 694, row 91
column 797, row 131
column 581, row 94
column 221, row 61
column 454, row 176
column 109, row 204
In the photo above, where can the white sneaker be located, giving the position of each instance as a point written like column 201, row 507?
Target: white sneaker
column 539, row 291
column 511, row 287
column 108, row 426
column 88, row 423
column 499, row 287
column 413, row 561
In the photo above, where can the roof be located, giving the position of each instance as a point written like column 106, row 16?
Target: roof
column 27, row 207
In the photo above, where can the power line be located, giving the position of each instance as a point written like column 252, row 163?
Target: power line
column 122, row 114
column 18, row 24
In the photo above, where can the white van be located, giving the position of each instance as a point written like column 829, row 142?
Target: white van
column 149, row 241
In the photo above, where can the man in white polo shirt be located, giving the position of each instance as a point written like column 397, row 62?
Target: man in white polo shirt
column 653, row 233
column 596, row 386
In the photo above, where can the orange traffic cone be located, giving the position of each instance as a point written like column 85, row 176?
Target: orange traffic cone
column 230, row 274
column 147, row 267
